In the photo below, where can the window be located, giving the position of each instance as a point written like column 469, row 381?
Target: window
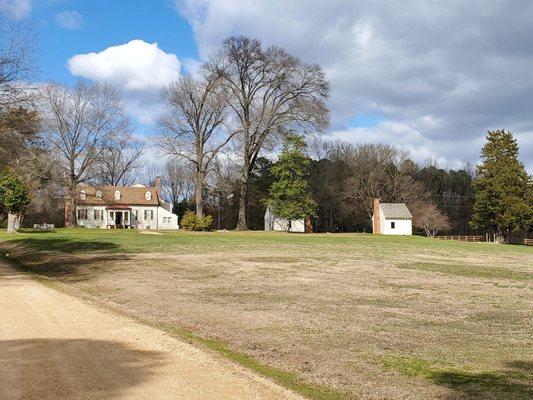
column 393, row 225
column 99, row 215
column 98, row 194
column 127, row 217
column 83, row 195
column 148, row 214
column 135, row 215
column 82, row 214
column 148, row 195
column 117, row 194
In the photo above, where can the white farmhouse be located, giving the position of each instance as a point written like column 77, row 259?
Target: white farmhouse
column 275, row 223
column 134, row 206
column 391, row 219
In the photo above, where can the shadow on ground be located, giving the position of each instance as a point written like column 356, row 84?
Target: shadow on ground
column 514, row 382
column 58, row 258
column 50, row 243
column 73, row 369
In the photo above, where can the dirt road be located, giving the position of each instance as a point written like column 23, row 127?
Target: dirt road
column 53, row 346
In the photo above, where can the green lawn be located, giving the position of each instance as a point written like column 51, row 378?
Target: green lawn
column 132, row 241
column 331, row 316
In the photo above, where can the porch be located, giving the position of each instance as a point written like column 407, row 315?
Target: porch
column 118, row 217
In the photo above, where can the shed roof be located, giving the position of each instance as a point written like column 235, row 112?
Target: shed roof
column 395, row 211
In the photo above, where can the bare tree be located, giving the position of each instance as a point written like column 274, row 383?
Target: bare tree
column 428, row 217
column 15, row 61
column 118, row 160
column 270, row 91
column 178, row 181
column 191, row 128
column 79, row 124
column 375, row 170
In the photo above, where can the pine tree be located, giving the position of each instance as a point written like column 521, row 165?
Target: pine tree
column 290, row 195
column 503, row 189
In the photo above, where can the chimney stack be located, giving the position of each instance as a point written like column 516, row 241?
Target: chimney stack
column 157, row 185
column 376, row 228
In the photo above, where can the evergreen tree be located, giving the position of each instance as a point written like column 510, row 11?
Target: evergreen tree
column 14, row 199
column 290, row 195
column 503, row 189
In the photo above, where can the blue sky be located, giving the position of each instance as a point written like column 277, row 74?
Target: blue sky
column 106, row 23
column 429, row 77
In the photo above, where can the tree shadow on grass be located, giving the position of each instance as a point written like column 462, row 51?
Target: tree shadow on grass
column 65, row 245
column 68, row 260
column 514, row 382
column 73, row 368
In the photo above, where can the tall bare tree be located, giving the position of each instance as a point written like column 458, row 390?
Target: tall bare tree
column 270, row 91
column 118, row 161
column 178, row 181
column 377, row 170
column 16, row 61
column 191, row 128
column 79, row 124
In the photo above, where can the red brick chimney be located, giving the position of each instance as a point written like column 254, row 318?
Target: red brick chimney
column 376, row 228
column 157, row 185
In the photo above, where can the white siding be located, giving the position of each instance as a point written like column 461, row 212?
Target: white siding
column 281, row 225
column 401, row 226
column 162, row 218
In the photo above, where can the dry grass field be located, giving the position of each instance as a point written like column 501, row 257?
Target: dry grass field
column 329, row 316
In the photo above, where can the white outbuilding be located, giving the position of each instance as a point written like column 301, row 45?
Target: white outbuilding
column 275, row 223
column 391, row 219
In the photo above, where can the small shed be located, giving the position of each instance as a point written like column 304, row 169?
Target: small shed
column 275, row 223
column 391, row 219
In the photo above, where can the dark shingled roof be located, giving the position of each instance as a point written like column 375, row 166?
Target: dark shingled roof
column 395, row 211
column 129, row 196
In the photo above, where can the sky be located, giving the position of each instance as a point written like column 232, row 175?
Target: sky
column 428, row 76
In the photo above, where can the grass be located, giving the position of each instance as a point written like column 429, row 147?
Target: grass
column 515, row 382
column 472, row 271
column 337, row 316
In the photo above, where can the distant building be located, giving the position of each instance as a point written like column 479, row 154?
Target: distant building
column 134, row 206
column 275, row 223
column 391, row 219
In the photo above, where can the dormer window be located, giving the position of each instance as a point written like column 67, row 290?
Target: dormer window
column 148, row 195
column 98, row 194
column 117, row 194
column 83, row 195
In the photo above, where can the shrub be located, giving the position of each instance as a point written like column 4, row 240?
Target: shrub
column 204, row 224
column 188, row 221
column 191, row 222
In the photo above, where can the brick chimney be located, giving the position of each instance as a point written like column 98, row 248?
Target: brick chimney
column 157, row 185
column 376, row 228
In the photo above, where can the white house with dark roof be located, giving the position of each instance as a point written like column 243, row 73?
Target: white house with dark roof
column 136, row 206
column 391, row 219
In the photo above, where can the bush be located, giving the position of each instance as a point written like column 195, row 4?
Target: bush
column 191, row 222
column 188, row 221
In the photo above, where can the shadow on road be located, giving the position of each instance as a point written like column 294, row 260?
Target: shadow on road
column 73, row 369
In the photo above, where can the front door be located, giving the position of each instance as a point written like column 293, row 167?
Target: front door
column 118, row 219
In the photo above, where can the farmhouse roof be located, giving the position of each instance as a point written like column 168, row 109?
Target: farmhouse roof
column 128, row 196
column 395, row 211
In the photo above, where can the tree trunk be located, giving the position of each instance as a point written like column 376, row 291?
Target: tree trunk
column 70, row 210
column 13, row 222
column 242, row 223
column 198, row 194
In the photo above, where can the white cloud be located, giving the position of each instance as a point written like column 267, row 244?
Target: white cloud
column 438, row 68
column 17, row 9
column 138, row 69
column 69, row 19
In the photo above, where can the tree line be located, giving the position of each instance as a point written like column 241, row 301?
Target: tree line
column 220, row 130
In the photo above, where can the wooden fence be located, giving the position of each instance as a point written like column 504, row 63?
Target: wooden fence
column 462, row 238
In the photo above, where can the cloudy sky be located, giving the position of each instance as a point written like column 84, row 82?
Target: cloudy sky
column 429, row 76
